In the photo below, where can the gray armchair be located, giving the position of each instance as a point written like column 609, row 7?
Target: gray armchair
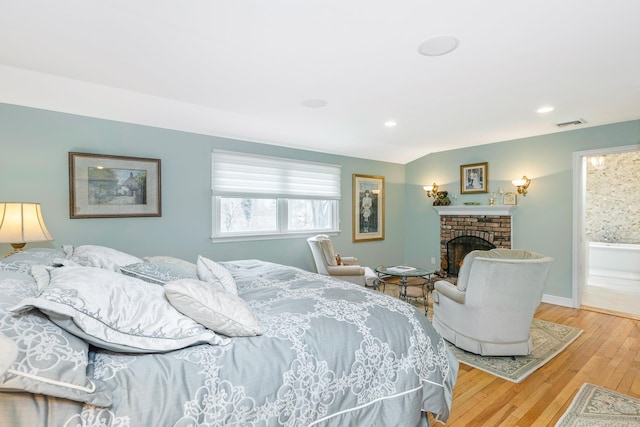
column 490, row 310
column 348, row 269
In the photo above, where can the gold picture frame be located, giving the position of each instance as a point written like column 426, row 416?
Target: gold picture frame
column 368, row 207
column 104, row 186
column 474, row 178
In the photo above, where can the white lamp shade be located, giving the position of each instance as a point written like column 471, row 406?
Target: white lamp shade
column 22, row 223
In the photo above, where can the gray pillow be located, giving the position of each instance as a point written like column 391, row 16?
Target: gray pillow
column 212, row 306
column 99, row 256
column 212, row 272
column 22, row 262
column 49, row 360
column 159, row 272
column 116, row 312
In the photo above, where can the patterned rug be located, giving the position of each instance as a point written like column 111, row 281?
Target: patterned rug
column 598, row 406
column 549, row 339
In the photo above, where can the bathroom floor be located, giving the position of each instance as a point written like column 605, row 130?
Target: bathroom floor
column 612, row 295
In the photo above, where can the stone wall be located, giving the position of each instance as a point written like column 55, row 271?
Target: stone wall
column 613, row 198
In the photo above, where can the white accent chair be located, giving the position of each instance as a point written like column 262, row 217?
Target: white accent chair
column 490, row 310
column 326, row 263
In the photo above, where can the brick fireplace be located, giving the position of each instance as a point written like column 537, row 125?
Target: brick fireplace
column 465, row 228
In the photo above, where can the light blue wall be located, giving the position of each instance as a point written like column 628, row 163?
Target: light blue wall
column 34, row 167
column 543, row 220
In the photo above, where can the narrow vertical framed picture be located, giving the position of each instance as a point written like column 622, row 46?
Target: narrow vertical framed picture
column 368, row 207
column 474, row 178
column 104, row 186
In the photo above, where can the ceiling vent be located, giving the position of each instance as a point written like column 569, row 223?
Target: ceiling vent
column 572, row 123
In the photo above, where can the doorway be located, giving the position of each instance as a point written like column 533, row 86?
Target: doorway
column 605, row 241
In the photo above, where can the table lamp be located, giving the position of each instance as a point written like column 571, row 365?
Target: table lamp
column 21, row 223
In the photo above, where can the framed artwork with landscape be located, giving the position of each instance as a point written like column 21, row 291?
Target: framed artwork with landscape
column 474, row 178
column 368, row 207
column 103, row 186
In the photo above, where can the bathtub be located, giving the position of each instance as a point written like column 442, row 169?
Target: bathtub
column 616, row 260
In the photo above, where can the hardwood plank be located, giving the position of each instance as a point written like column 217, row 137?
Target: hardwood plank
column 607, row 354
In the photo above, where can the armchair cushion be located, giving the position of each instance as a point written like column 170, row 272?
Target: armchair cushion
column 349, row 260
column 345, row 270
column 450, row 291
column 327, row 251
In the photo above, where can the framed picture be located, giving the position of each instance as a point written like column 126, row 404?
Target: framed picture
column 509, row 199
column 102, row 186
column 474, row 178
column 368, row 207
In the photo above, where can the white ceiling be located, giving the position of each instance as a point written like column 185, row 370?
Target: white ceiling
column 241, row 68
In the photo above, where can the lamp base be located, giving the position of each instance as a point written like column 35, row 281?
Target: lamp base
column 17, row 247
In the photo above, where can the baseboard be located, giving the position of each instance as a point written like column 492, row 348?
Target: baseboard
column 555, row 300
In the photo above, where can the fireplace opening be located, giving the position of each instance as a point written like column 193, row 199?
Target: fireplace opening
column 459, row 247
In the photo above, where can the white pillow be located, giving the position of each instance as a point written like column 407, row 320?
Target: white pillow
column 99, row 256
column 213, row 307
column 115, row 312
column 212, row 272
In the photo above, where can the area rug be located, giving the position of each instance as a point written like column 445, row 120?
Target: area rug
column 598, row 406
column 549, row 339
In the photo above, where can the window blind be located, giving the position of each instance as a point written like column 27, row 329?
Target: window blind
column 235, row 173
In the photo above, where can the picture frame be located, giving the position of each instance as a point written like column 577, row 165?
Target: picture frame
column 106, row 186
column 509, row 199
column 474, row 178
column 368, row 207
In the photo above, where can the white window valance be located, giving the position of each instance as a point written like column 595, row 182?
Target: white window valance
column 235, row 173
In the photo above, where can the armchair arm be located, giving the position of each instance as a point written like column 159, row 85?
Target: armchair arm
column 450, row 291
column 349, row 260
column 345, row 270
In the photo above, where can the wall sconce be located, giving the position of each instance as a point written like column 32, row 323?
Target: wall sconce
column 432, row 190
column 21, row 223
column 522, row 185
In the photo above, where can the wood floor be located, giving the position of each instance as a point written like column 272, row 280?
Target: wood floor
column 606, row 354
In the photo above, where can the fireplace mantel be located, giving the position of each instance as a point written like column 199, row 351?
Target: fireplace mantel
column 475, row 210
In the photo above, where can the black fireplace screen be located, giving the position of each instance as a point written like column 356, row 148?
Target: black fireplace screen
column 459, row 247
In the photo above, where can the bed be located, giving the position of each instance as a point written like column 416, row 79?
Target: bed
column 92, row 336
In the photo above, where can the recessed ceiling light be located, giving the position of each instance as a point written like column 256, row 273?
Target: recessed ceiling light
column 438, row 45
column 314, row 103
column 390, row 123
column 543, row 110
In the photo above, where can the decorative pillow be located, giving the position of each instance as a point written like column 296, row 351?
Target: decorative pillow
column 22, row 262
column 212, row 272
column 159, row 272
column 213, row 307
column 99, row 256
column 171, row 260
column 49, row 360
column 116, row 312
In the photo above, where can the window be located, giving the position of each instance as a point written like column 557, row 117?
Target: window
column 257, row 197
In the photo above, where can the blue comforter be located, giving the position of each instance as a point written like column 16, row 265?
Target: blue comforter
column 332, row 354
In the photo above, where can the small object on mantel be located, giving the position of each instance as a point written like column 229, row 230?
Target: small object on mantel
column 442, row 199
